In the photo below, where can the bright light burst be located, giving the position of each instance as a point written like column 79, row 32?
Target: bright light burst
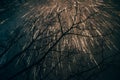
column 66, row 38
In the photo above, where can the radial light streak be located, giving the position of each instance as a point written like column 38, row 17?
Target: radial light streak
column 89, row 27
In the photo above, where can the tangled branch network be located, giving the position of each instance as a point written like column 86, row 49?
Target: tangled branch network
column 62, row 40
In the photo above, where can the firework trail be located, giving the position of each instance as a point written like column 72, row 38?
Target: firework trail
column 63, row 38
